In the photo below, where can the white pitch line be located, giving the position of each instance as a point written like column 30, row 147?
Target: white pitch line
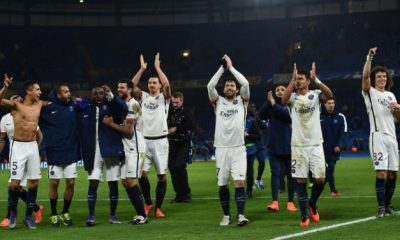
column 321, row 229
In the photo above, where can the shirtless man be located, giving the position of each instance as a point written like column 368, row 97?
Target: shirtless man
column 24, row 153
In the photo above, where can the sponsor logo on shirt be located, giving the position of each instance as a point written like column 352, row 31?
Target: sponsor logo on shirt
column 228, row 114
column 151, row 106
column 304, row 109
column 384, row 102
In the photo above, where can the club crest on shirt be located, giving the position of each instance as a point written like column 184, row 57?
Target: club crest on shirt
column 390, row 98
column 235, row 101
column 311, row 97
column 335, row 121
column 71, row 108
column 104, row 107
column 14, row 173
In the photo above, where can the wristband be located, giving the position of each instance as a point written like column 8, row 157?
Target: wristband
column 369, row 58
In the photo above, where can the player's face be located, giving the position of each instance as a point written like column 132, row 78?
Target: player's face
column 137, row 92
column 35, row 92
column 330, row 105
column 380, row 80
column 230, row 89
column 64, row 94
column 98, row 95
column 176, row 102
column 154, row 85
column 123, row 91
column 301, row 82
column 252, row 109
column 279, row 91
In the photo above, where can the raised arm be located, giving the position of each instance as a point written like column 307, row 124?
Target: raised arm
column 326, row 92
column 244, row 84
column 366, row 81
column 212, row 91
column 162, row 76
column 138, row 75
column 5, row 102
column 288, row 92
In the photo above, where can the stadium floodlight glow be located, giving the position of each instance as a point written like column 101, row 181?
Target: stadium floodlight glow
column 81, row 1
column 186, row 53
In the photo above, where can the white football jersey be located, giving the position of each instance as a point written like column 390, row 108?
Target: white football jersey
column 133, row 116
column 154, row 113
column 7, row 126
column 379, row 113
column 305, row 113
column 230, row 122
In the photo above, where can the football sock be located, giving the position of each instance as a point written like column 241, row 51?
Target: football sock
column 14, row 196
column 113, row 196
column 240, row 198
column 303, row 198
column 389, row 190
column 316, row 191
column 135, row 195
column 160, row 192
column 31, row 201
column 23, row 194
column 53, row 205
column 224, row 199
column 92, row 197
column 67, row 203
column 380, row 191
column 145, row 187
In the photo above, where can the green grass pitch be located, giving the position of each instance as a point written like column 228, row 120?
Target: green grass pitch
column 200, row 219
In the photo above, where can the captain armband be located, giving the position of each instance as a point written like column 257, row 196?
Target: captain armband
column 369, row 58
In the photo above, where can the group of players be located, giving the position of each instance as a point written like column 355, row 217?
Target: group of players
column 127, row 134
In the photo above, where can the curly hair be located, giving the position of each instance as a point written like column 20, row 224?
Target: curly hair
column 389, row 80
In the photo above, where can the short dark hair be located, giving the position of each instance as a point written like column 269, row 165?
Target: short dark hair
column 178, row 94
column 380, row 68
column 127, row 82
column 305, row 73
column 228, row 77
column 28, row 85
column 154, row 74
column 330, row 98
column 59, row 86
